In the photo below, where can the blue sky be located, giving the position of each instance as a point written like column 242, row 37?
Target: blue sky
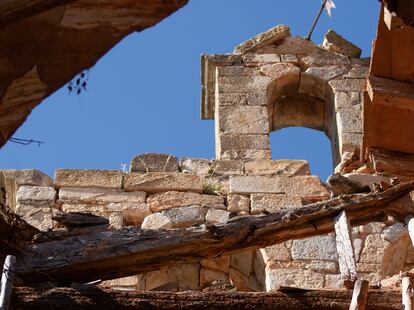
column 144, row 95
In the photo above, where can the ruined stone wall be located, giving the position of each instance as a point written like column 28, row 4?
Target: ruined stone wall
column 162, row 192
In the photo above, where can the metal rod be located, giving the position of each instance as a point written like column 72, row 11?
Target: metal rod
column 7, row 282
column 308, row 37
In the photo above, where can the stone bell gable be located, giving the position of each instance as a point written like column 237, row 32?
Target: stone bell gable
column 275, row 81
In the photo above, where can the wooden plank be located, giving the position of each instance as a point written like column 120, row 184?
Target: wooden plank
column 345, row 250
column 7, row 282
column 91, row 299
column 13, row 11
column 130, row 251
column 407, row 293
column 391, row 92
column 359, row 296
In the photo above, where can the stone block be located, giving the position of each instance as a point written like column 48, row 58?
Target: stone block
column 367, row 179
column 243, row 262
column 156, row 221
column 154, row 162
column 275, row 278
column 290, row 58
column 245, row 154
column 29, row 177
column 269, row 58
column 374, row 248
column 237, row 71
column 217, row 216
column 336, row 43
column 116, row 220
column 237, row 84
column 262, row 203
column 307, row 187
column 133, row 213
column 227, row 167
column 81, row 195
column 181, row 277
column 238, row 203
column 348, row 85
column 394, row 256
column 243, row 142
column 259, row 267
column 349, row 121
column 277, row 252
column 242, row 282
column 298, row 46
column 358, row 72
column 207, row 276
column 334, row 281
column 243, row 120
column 170, row 200
column 163, row 182
column 277, row 167
column 348, row 101
column 372, row 228
column 127, row 282
column 272, row 36
column 242, row 98
column 350, row 142
column 39, row 196
column 324, row 60
column 88, row 178
column 198, row 166
column 39, row 217
column 314, row 80
column 315, row 248
column 321, row 266
column 221, row 264
column 186, row 217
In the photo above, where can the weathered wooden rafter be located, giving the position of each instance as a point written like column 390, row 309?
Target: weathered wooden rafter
column 114, row 254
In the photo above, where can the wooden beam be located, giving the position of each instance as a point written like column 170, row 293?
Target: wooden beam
column 407, row 293
column 345, row 250
column 7, row 282
column 359, row 296
column 130, row 251
column 66, row 298
column 13, row 11
column 391, row 92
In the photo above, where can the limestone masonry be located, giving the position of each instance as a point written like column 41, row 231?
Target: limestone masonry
column 269, row 82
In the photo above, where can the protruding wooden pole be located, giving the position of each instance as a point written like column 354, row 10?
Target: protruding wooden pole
column 409, row 220
column 407, row 293
column 346, row 257
column 7, row 282
column 359, row 296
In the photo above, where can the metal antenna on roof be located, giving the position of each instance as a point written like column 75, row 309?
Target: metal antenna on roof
column 328, row 5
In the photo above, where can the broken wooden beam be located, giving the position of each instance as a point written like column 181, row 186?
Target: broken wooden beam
column 119, row 253
column 359, row 295
column 67, row 299
column 345, row 250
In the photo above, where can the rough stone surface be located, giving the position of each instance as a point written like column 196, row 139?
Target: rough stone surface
column 187, row 216
column 207, row 276
column 170, row 200
column 162, row 182
column 39, row 217
column 88, row 178
column 227, row 167
column 156, row 221
column 308, row 187
column 277, row 252
column 367, row 179
column 215, row 216
column 221, row 264
column 27, row 177
column 244, row 120
column 277, row 167
column 349, row 85
column 276, row 278
column 317, row 248
column 238, row 203
column 39, row 196
column 373, row 251
column 99, row 196
column 132, row 213
column 269, row 37
column 181, row 277
column 198, row 166
column 154, row 162
column 243, row 262
column 261, row 203
column 335, row 43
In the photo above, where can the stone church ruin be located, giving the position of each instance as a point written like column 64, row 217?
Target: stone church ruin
column 242, row 230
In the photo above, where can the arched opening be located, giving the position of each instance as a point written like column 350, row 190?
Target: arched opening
column 304, row 143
